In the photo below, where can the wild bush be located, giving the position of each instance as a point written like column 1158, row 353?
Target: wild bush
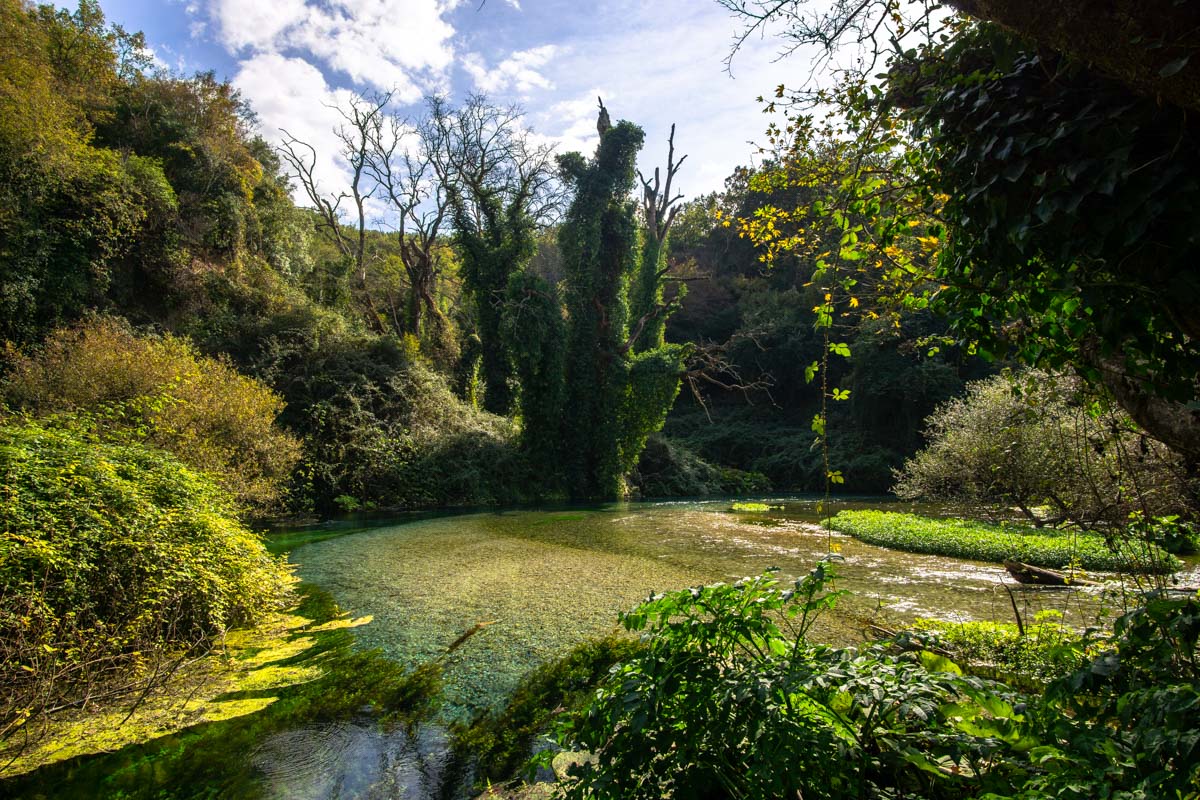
column 960, row 538
column 160, row 391
column 1041, row 651
column 112, row 556
column 729, row 699
column 1039, row 441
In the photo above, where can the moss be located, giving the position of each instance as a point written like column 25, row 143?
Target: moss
column 196, row 737
column 503, row 741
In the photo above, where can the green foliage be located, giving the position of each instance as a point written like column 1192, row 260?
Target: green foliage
column 962, row 538
column 535, row 333
column 218, row 760
column 160, row 391
column 752, row 507
column 1041, row 440
column 1070, row 200
column 503, row 741
column 112, row 555
column 729, row 699
column 1124, row 725
column 1045, row 650
column 617, row 397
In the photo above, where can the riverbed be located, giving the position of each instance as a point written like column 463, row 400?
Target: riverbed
column 526, row 585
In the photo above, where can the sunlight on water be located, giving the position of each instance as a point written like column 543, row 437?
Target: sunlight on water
column 546, row 579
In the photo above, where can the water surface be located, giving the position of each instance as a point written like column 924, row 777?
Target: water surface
column 541, row 581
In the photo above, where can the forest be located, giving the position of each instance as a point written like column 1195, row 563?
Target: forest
column 943, row 316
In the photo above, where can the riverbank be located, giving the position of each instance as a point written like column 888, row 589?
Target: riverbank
column 210, row 727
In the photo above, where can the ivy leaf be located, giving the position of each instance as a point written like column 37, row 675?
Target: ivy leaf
column 1173, row 67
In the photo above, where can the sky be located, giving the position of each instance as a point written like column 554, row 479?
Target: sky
column 655, row 62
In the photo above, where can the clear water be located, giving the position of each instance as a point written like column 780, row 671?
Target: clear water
column 544, row 580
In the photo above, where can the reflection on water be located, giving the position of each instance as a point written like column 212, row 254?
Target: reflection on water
column 547, row 579
column 355, row 759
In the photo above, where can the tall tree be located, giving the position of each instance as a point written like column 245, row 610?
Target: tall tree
column 499, row 184
column 360, row 117
column 648, row 312
column 401, row 162
column 615, row 397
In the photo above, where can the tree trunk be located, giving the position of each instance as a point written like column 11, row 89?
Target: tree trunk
column 1149, row 45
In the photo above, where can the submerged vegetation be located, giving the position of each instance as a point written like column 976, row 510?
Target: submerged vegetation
column 997, row 543
column 972, row 281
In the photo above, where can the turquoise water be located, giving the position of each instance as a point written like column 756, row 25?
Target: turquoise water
column 539, row 581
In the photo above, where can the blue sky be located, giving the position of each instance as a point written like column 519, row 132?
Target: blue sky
column 654, row 63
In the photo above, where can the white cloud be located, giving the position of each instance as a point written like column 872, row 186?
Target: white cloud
column 571, row 124
column 290, row 93
column 519, row 72
column 384, row 44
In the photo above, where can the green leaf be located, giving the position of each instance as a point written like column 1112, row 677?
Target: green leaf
column 840, row 349
column 1174, row 67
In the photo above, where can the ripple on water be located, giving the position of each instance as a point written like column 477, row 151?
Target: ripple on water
column 548, row 579
column 357, row 759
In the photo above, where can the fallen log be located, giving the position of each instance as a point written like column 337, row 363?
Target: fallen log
column 1038, row 576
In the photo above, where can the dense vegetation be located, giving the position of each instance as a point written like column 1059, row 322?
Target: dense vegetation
column 112, row 556
column 1044, row 445
column 185, row 347
column 731, row 699
column 984, row 542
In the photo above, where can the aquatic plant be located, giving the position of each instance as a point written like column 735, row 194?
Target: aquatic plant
column 740, row 506
column 981, row 541
column 306, row 680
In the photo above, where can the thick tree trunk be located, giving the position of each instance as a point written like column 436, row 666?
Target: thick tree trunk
column 1175, row 424
column 1152, row 46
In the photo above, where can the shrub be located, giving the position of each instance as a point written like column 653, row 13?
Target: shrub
column 111, row 555
column 1047, row 649
column 1038, row 440
column 729, row 699
column 960, row 538
column 1126, row 724
column 159, row 390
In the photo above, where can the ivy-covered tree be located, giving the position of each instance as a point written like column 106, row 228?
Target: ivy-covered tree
column 534, row 333
column 615, row 396
column 499, row 187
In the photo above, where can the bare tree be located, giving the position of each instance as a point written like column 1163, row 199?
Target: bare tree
column 402, row 164
column 649, row 311
column 360, row 115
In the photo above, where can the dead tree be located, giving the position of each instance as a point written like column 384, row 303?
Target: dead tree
column 402, row 165
column 360, row 116
column 648, row 310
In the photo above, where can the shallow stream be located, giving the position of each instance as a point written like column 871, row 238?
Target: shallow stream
column 541, row 580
